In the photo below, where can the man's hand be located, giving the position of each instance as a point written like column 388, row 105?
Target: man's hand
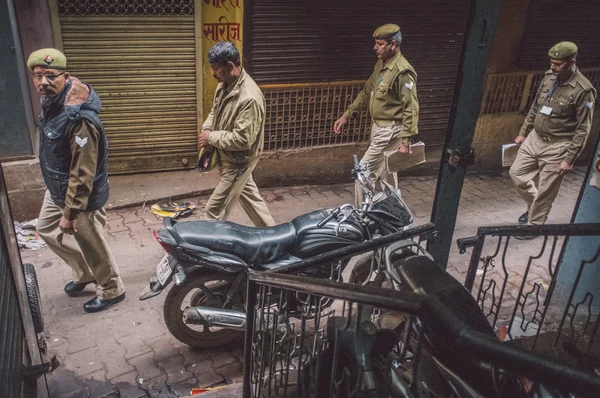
column 203, row 138
column 404, row 148
column 519, row 139
column 338, row 126
column 69, row 227
column 564, row 168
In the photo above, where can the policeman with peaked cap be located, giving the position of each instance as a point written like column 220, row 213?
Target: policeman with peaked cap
column 73, row 158
column 554, row 132
column 391, row 97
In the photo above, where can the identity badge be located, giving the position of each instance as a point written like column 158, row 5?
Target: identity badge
column 546, row 110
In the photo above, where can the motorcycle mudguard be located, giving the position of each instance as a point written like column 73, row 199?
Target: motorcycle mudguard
column 164, row 274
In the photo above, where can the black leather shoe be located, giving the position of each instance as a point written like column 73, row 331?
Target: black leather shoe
column 73, row 288
column 524, row 218
column 97, row 304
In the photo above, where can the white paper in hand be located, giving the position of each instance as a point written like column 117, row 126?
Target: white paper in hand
column 509, row 154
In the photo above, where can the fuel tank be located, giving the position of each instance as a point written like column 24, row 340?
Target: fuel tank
column 312, row 240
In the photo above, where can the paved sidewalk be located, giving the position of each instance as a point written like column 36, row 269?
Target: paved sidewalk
column 127, row 350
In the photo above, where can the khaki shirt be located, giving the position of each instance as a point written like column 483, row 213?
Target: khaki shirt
column 562, row 113
column 237, row 119
column 391, row 95
column 84, row 160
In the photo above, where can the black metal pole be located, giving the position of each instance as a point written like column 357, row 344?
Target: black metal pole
column 465, row 111
column 474, row 263
column 250, row 308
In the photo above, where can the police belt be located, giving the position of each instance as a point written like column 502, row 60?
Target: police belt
column 553, row 139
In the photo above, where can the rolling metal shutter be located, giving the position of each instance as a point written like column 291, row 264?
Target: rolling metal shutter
column 142, row 63
column 553, row 21
column 312, row 41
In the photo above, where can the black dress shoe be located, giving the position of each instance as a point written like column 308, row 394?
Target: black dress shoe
column 73, row 288
column 524, row 218
column 97, row 304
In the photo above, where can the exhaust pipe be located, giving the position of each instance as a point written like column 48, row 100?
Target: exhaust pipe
column 219, row 317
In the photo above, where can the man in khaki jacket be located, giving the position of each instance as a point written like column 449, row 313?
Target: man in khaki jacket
column 553, row 134
column 391, row 97
column 235, row 127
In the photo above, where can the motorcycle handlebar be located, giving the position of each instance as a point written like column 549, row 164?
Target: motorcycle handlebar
column 331, row 215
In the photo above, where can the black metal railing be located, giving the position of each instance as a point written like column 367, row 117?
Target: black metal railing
column 299, row 331
column 515, row 282
column 286, row 351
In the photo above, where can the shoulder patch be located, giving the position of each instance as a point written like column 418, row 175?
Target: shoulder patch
column 589, row 104
column 81, row 141
column 409, row 85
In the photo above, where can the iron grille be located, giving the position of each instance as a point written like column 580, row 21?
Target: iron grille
column 302, row 115
column 125, row 7
column 515, row 92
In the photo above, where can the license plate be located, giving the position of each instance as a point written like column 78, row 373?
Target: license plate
column 163, row 270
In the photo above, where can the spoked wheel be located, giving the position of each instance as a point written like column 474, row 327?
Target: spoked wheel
column 208, row 289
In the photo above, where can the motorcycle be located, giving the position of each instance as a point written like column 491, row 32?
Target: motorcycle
column 380, row 353
column 208, row 261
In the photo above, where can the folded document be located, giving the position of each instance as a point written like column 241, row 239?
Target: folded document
column 396, row 161
column 509, row 154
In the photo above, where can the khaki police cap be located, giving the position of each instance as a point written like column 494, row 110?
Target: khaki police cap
column 386, row 31
column 48, row 57
column 563, row 50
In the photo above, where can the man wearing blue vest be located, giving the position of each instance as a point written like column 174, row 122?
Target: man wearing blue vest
column 73, row 158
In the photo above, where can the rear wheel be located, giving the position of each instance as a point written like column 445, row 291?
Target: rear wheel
column 202, row 288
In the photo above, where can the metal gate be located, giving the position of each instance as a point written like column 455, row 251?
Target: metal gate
column 141, row 59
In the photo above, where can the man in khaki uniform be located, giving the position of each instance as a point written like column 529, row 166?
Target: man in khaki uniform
column 235, row 127
column 73, row 159
column 554, row 132
column 391, row 97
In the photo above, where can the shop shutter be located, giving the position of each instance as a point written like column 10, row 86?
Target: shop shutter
column 311, row 41
column 140, row 58
column 553, row 21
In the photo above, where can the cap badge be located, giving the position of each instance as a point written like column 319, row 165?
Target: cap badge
column 48, row 60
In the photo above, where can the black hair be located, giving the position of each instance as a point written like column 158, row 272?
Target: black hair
column 223, row 53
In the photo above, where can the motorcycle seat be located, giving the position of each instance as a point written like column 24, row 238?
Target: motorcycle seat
column 422, row 274
column 253, row 245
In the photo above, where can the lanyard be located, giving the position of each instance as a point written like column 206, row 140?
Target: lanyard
column 554, row 87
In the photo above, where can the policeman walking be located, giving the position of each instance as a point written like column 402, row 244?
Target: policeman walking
column 553, row 134
column 391, row 97
column 73, row 159
column 235, row 127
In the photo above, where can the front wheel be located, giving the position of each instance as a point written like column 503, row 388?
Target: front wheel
column 207, row 288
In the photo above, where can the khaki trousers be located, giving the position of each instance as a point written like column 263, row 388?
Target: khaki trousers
column 383, row 139
column 537, row 156
column 236, row 184
column 86, row 251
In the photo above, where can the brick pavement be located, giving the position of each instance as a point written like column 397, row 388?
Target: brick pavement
column 127, row 350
